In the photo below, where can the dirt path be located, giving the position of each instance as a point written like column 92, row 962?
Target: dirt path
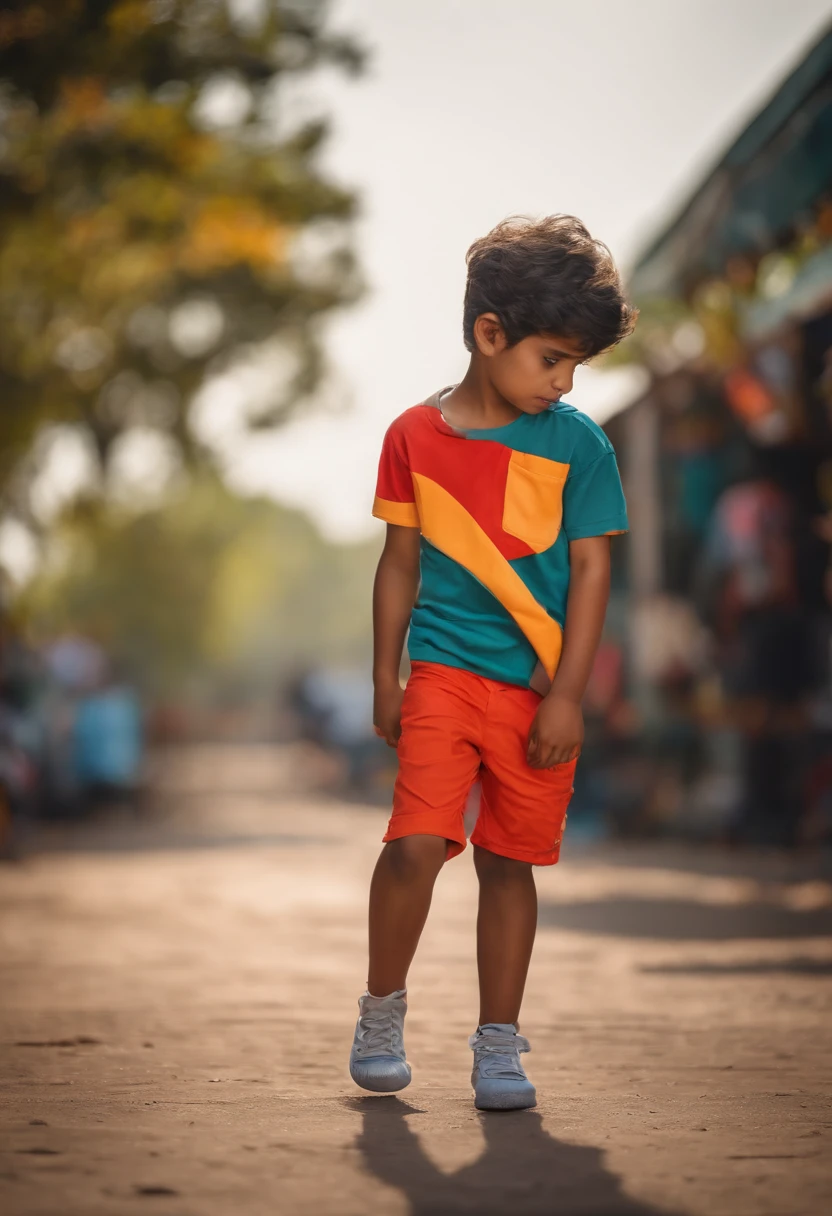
column 178, row 998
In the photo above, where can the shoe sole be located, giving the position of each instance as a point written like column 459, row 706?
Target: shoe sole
column 381, row 1085
column 505, row 1102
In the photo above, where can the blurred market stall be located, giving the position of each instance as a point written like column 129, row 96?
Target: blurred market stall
column 727, row 461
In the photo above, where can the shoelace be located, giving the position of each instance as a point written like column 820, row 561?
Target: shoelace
column 498, row 1055
column 377, row 1033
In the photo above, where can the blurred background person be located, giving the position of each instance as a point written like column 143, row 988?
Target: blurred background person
column 767, row 652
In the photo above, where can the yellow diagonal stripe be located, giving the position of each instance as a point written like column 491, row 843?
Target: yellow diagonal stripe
column 448, row 526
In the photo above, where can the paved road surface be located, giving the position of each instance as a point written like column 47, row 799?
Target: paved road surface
column 178, row 998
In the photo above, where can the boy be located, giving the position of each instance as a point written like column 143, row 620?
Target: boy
column 499, row 500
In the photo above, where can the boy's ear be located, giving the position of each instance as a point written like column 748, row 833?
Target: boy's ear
column 489, row 334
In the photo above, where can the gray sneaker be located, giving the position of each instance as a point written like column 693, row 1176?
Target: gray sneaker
column 377, row 1059
column 498, row 1078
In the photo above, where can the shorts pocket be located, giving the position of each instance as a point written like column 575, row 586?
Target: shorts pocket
column 533, row 506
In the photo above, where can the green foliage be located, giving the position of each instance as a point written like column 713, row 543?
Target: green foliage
column 208, row 591
column 142, row 245
column 658, row 318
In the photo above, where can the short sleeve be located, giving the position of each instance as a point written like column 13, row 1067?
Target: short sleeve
column 395, row 501
column 593, row 500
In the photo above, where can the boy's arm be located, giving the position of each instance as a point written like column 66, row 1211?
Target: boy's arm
column 558, row 729
column 394, row 594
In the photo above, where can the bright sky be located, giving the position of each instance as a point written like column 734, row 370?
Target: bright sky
column 472, row 110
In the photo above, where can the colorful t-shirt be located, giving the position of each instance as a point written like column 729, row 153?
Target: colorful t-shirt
column 497, row 509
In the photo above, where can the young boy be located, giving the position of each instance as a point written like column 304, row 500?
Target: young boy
column 499, row 499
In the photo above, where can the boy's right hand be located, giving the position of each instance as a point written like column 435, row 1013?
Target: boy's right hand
column 387, row 712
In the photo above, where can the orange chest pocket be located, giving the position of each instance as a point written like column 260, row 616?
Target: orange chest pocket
column 533, row 507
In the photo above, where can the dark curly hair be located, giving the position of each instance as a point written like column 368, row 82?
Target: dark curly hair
column 547, row 276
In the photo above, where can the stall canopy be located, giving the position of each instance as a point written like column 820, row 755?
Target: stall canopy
column 771, row 176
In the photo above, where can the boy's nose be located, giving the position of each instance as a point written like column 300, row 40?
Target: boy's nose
column 562, row 381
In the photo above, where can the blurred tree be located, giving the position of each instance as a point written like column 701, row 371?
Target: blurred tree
column 207, row 591
column 151, row 210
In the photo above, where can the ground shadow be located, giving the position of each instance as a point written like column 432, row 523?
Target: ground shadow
column 149, row 833
column 521, row 1171
column 685, row 919
column 184, row 842
column 718, row 861
column 764, row 966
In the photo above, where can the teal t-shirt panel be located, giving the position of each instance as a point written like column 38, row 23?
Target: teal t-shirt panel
column 456, row 620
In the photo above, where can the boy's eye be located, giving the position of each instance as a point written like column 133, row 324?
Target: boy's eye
column 550, row 361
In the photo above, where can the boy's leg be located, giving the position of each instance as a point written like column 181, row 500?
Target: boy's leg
column 438, row 763
column 506, row 925
column 400, row 896
column 521, row 823
column 522, row 815
column 505, row 935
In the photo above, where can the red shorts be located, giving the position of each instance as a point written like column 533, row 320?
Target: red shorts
column 457, row 728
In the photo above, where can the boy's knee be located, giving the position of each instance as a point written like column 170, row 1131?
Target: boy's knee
column 411, row 857
column 492, row 868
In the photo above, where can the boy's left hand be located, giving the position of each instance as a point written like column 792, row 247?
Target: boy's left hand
column 557, row 733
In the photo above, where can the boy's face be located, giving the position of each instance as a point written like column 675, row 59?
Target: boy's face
column 534, row 372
